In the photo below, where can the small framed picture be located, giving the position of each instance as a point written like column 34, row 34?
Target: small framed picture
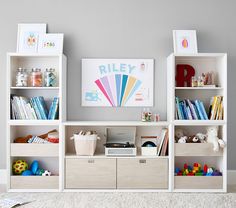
column 28, row 37
column 185, row 41
column 50, row 43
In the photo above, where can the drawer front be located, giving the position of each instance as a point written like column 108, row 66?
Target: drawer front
column 142, row 173
column 90, row 173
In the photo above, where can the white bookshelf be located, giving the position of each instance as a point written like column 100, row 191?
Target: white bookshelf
column 114, row 172
column 201, row 153
column 48, row 155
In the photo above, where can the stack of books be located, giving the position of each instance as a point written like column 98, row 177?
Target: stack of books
column 216, row 110
column 190, row 110
column 33, row 109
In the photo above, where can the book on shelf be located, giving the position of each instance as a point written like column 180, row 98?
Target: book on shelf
column 216, row 109
column 34, row 108
column 164, row 139
column 187, row 109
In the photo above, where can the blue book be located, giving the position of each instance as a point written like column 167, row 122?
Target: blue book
column 197, row 113
column 203, row 110
column 199, row 110
column 184, row 111
column 35, row 107
column 50, row 109
column 41, row 108
column 180, row 113
column 54, row 109
column 41, row 98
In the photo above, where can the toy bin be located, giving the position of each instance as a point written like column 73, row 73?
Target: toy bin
column 85, row 144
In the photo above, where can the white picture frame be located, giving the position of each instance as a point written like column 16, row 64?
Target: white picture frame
column 28, row 37
column 51, row 43
column 185, row 41
column 117, row 82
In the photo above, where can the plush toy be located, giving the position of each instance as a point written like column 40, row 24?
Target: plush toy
column 19, row 167
column 201, row 137
column 193, row 139
column 46, row 173
column 178, row 134
column 212, row 137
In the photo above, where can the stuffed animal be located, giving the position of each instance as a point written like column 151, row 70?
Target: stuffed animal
column 212, row 137
column 178, row 134
column 182, row 139
column 193, row 139
column 201, row 137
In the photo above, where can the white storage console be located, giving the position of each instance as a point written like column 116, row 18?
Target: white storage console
column 99, row 172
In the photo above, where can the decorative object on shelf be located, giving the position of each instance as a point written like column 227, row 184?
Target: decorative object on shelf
column 216, row 109
column 185, row 41
column 184, row 74
column 50, row 79
column 148, row 145
column 212, row 137
column 36, row 78
column 194, row 82
column 196, row 170
column 21, row 78
column 85, row 142
column 117, row 82
column 28, row 37
column 51, row 43
column 200, row 81
column 53, row 137
column 157, row 117
column 146, row 115
column 190, row 110
column 19, row 167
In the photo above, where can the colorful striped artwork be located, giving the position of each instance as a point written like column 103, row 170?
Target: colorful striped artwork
column 119, row 89
column 117, row 82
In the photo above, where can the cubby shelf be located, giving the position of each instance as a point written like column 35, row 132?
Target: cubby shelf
column 48, row 154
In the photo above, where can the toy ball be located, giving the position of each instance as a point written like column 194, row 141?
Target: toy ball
column 19, row 167
column 46, row 173
column 27, row 173
column 34, row 166
column 40, row 172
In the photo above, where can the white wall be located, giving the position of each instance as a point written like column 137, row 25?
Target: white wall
column 122, row 29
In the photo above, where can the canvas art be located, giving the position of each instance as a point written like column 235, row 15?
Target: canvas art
column 117, row 82
column 185, row 41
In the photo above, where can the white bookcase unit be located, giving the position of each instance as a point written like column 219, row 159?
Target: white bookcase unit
column 102, row 173
column 198, row 153
column 48, row 155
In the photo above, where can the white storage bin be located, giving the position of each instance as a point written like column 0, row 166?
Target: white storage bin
column 85, row 144
column 149, row 151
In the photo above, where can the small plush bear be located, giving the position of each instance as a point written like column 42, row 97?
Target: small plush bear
column 179, row 136
column 193, row 139
column 212, row 137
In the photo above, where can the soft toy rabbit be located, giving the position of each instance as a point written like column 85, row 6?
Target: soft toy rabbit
column 212, row 137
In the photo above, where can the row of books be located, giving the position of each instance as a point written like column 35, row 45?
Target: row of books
column 216, row 110
column 164, row 139
column 33, row 109
column 190, row 110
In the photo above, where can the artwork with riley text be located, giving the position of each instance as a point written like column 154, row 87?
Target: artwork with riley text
column 117, row 82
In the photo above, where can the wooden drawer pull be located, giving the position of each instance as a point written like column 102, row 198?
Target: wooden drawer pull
column 142, row 161
column 90, row 161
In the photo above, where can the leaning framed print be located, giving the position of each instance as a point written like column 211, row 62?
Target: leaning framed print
column 185, row 41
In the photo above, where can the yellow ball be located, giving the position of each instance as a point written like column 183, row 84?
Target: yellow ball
column 19, row 167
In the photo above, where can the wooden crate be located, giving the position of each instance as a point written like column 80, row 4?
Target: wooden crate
column 34, row 182
column 196, row 149
column 40, row 150
column 198, row 182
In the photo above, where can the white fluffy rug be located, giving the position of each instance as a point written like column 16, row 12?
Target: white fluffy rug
column 126, row 200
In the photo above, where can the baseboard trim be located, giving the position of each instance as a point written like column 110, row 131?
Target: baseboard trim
column 3, row 176
column 231, row 176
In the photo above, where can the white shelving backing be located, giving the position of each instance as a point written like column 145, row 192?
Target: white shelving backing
column 49, row 155
column 202, row 62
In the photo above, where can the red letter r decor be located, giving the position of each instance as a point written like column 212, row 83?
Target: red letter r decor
column 184, row 73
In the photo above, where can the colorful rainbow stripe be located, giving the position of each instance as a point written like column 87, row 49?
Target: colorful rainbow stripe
column 118, row 88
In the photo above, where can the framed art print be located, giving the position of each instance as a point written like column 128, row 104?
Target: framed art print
column 28, row 37
column 185, row 41
column 117, row 82
column 50, row 43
